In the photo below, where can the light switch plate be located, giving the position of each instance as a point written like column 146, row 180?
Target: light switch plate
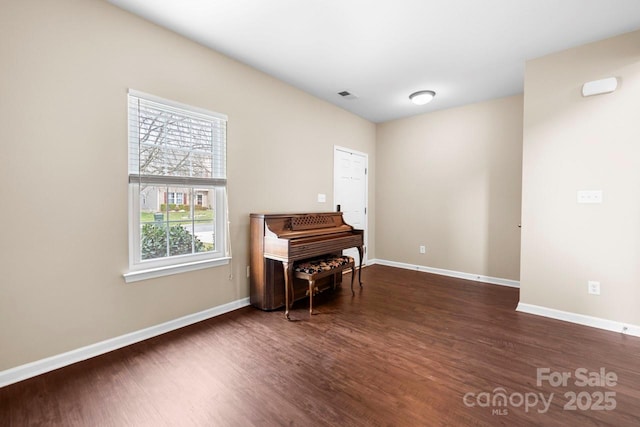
column 322, row 198
column 590, row 196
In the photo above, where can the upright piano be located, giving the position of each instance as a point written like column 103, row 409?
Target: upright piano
column 279, row 240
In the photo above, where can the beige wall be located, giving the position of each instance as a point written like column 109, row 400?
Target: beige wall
column 451, row 180
column 66, row 67
column 573, row 143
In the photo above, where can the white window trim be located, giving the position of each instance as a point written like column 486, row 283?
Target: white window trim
column 147, row 269
column 150, row 273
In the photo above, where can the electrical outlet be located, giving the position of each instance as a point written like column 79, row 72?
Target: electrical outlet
column 248, row 271
column 593, row 287
column 423, row 249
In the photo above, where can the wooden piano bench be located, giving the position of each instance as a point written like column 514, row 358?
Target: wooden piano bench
column 317, row 268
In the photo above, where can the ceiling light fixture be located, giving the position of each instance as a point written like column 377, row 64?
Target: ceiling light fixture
column 422, row 97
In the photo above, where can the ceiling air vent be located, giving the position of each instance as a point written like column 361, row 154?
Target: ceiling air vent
column 347, row 95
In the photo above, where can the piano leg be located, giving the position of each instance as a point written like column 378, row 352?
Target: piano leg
column 360, row 252
column 288, row 282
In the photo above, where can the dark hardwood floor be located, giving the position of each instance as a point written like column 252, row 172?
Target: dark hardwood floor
column 405, row 351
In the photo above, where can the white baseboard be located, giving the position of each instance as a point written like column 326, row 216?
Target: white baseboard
column 580, row 319
column 450, row 273
column 38, row 367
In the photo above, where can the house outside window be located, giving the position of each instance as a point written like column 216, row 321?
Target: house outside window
column 177, row 183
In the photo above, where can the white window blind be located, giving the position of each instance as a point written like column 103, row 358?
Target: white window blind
column 175, row 144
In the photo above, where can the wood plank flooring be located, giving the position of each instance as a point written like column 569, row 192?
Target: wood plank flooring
column 405, row 351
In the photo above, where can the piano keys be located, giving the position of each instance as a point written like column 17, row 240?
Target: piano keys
column 279, row 240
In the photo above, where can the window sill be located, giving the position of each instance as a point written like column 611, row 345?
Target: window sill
column 136, row 276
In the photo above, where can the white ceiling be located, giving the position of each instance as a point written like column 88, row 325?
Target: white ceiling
column 383, row 50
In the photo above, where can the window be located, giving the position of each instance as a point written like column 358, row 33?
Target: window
column 175, row 198
column 177, row 186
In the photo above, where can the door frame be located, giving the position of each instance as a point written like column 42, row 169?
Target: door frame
column 337, row 148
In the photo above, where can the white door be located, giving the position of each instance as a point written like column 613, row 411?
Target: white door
column 350, row 190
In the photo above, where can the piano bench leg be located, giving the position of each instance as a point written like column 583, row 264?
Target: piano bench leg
column 312, row 285
column 353, row 276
